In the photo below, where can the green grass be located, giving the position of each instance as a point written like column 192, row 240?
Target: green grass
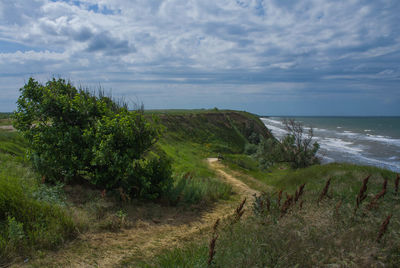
column 323, row 233
column 345, row 178
column 194, row 181
column 12, row 143
column 191, row 136
column 5, row 119
column 32, row 215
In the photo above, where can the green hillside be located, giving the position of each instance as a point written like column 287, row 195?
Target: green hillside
column 326, row 226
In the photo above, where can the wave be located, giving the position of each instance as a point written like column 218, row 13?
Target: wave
column 340, row 144
column 336, row 144
column 383, row 139
column 371, row 137
column 380, row 163
column 272, row 121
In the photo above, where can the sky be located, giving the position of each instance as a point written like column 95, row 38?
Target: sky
column 270, row 57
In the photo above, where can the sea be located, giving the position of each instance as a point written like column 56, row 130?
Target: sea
column 371, row 141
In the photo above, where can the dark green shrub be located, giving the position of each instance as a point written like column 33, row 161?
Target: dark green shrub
column 297, row 148
column 250, row 148
column 75, row 135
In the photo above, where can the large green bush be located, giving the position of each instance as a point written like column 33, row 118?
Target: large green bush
column 74, row 135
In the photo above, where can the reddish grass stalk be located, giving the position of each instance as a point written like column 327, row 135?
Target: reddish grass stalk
column 384, row 186
column 279, row 197
column 383, row 228
column 123, row 195
column 325, row 190
column 188, row 175
column 286, row 205
column 396, row 184
column 362, row 194
column 268, row 204
column 379, row 195
column 239, row 211
column 211, row 250
column 299, row 193
column 215, row 226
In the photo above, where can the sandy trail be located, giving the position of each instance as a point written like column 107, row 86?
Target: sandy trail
column 146, row 239
column 7, row 127
column 239, row 186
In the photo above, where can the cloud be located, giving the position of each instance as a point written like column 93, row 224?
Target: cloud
column 110, row 46
column 207, row 44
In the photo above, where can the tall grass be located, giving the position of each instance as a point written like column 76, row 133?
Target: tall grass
column 192, row 190
column 194, row 182
column 32, row 215
column 312, row 232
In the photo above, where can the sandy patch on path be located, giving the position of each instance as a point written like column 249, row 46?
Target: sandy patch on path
column 240, row 187
column 10, row 128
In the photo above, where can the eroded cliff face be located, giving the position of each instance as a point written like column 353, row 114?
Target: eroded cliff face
column 232, row 129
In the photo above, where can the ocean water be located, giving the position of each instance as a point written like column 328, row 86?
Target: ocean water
column 362, row 140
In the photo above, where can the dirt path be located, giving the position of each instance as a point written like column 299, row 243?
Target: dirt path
column 7, row 127
column 146, row 239
column 239, row 186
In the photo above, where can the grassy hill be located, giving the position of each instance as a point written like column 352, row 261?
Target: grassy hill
column 323, row 227
column 223, row 131
column 317, row 230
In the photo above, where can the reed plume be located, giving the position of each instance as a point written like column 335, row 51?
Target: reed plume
column 325, row 190
column 379, row 195
column 287, row 204
column 383, row 228
column 279, row 197
column 268, row 204
column 299, row 193
column 211, row 249
column 384, row 186
column 215, row 226
column 362, row 194
column 239, row 211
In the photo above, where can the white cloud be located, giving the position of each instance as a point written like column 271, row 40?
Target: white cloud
column 200, row 41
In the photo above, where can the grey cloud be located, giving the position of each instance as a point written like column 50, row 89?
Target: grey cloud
column 109, row 45
column 83, row 34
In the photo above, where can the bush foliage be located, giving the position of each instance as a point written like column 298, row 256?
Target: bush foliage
column 297, row 148
column 74, row 134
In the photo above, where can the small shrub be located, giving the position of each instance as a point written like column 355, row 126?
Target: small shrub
column 297, row 148
column 53, row 194
column 250, row 148
column 15, row 231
